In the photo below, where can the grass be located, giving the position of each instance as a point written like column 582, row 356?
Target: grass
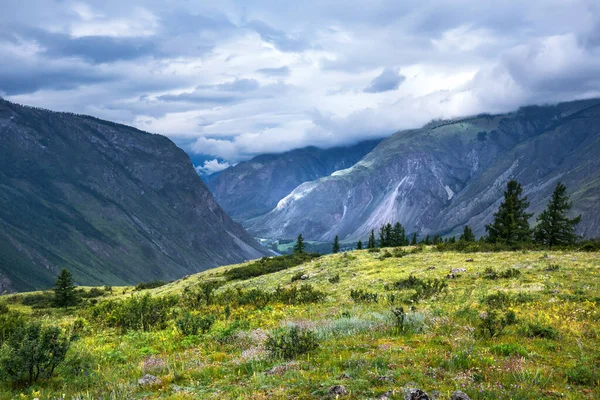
column 552, row 352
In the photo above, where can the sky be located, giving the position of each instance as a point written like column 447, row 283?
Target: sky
column 227, row 80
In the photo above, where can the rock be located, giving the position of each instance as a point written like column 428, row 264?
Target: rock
column 450, row 276
column 435, row 395
column 281, row 369
column 304, row 277
column 386, row 396
column 458, row 395
column 386, row 378
column 415, row 394
column 345, row 376
column 469, row 260
column 338, row 390
column 149, row 380
column 458, row 270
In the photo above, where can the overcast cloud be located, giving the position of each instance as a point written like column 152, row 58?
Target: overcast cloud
column 237, row 78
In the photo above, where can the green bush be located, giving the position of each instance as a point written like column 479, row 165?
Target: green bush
column 297, row 276
column 582, row 374
column 535, row 330
column 200, row 295
column 190, row 324
column 10, row 322
column 509, row 349
column 150, row 285
column 493, row 322
column 33, row 352
column 267, row 265
column 334, row 279
column 498, row 300
column 135, row 313
column 363, row 296
column 291, row 342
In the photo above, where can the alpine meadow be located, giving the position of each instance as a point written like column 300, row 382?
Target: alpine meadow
column 318, row 200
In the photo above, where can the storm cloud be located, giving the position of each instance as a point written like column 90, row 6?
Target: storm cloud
column 233, row 79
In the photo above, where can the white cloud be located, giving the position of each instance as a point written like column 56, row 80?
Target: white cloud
column 211, row 166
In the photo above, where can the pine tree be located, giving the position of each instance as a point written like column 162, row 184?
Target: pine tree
column 553, row 227
column 467, row 235
column 436, row 239
column 299, row 246
column 511, row 224
column 427, row 239
column 413, row 242
column 382, row 237
column 371, row 243
column 64, row 290
column 398, row 235
column 359, row 245
column 336, row 245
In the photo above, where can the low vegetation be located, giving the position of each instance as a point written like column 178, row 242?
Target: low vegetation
column 519, row 324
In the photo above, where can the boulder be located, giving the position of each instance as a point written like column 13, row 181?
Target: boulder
column 415, row 394
column 386, row 396
column 149, row 380
column 458, row 270
column 458, row 395
column 338, row 390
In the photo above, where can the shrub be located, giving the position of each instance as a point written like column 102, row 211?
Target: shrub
column 10, row 323
column 363, row 296
column 552, row 268
column 411, row 282
column 535, row 330
column 498, row 300
column 201, row 295
column 509, row 349
column 334, row 279
column 399, row 317
column 190, row 324
column 493, row 322
column 38, row 300
column 33, row 352
column 374, row 250
column 135, row 313
column 290, row 342
column 150, row 285
column 582, row 374
column 430, row 288
column 510, row 273
column 297, row 276
column 490, row 273
column 267, row 265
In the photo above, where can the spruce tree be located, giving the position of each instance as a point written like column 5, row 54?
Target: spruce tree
column 359, row 245
column 553, row 227
column 398, row 235
column 371, row 243
column 467, row 235
column 64, row 290
column 436, row 239
column 511, row 224
column 299, row 246
column 427, row 239
column 336, row 245
column 382, row 237
column 413, row 242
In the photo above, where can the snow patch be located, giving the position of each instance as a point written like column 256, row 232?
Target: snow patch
column 449, row 191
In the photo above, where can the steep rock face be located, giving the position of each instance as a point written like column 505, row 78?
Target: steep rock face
column 254, row 187
column 450, row 173
column 111, row 203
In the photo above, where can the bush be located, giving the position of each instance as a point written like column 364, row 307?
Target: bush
column 150, row 285
column 535, row 330
column 493, row 322
column 267, row 265
column 509, row 349
column 297, row 276
column 33, row 352
column 490, row 273
column 430, row 288
column 582, row 374
column 334, row 279
column 10, row 322
column 552, row 268
column 498, row 300
column 190, row 324
column 363, row 296
column 38, row 300
column 290, row 343
column 200, row 295
column 136, row 313
column 510, row 273
column 374, row 250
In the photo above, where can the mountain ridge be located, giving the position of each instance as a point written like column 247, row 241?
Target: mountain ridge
column 112, row 203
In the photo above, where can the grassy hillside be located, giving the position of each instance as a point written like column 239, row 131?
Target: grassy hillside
column 442, row 342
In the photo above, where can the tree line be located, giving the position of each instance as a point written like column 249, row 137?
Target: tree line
column 510, row 226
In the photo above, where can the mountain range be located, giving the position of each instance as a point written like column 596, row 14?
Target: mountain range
column 447, row 174
column 253, row 188
column 113, row 204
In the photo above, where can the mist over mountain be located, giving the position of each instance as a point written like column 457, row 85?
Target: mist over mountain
column 450, row 173
column 253, row 188
column 113, row 204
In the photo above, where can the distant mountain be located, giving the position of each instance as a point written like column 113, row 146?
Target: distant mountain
column 252, row 188
column 113, row 204
column 450, row 173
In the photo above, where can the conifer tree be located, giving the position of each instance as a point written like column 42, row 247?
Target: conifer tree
column 299, row 246
column 336, row 245
column 371, row 243
column 553, row 227
column 427, row 239
column 359, row 245
column 467, row 235
column 413, row 242
column 436, row 239
column 64, row 290
column 511, row 224
column 398, row 235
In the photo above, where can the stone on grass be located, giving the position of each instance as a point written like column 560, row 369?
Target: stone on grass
column 386, row 396
column 458, row 270
column 415, row 394
column 458, row 395
column 338, row 390
column 149, row 380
